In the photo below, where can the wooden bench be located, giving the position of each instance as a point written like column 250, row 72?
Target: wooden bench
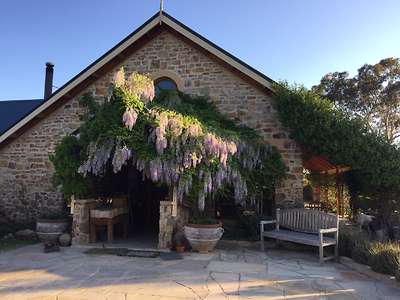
column 303, row 226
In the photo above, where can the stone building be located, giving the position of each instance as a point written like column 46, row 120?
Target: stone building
column 167, row 50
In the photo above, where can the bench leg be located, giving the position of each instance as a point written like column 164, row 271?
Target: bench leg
column 262, row 243
column 262, row 237
column 321, row 254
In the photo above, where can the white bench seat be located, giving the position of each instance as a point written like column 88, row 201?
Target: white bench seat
column 299, row 237
column 303, row 226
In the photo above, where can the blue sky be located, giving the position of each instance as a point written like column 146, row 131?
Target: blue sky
column 294, row 40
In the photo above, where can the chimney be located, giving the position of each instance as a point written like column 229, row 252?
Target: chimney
column 48, row 81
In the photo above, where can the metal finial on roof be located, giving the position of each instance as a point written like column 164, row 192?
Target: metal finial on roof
column 161, row 9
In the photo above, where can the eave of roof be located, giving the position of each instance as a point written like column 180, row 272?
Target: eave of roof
column 150, row 24
column 321, row 164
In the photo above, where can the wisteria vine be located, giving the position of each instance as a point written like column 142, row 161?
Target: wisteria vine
column 178, row 148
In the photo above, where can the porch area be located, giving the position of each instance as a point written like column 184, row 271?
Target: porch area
column 233, row 271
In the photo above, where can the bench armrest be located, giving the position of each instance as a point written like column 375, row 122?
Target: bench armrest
column 267, row 222
column 263, row 223
column 328, row 230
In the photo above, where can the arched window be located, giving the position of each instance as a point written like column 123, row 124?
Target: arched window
column 165, row 83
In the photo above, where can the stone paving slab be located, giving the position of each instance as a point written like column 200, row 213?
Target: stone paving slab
column 236, row 267
column 234, row 273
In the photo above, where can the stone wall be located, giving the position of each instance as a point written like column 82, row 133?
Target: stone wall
column 25, row 170
column 26, row 188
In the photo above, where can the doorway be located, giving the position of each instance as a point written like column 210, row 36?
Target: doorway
column 142, row 208
column 144, row 198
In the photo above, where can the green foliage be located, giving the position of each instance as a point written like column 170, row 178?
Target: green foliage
column 325, row 130
column 381, row 257
column 373, row 94
column 346, row 243
column 244, row 226
column 385, row 258
column 105, row 122
column 54, row 215
column 66, row 161
column 249, row 225
column 361, row 252
column 203, row 220
column 201, row 109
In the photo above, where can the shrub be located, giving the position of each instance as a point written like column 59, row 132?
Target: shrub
column 244, row 227
column 346, row 244
column 361, row 252
column 385, row 258
column 250, row 225
column 381, row 257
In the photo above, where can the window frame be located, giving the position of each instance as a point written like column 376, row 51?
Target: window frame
column 162, row 78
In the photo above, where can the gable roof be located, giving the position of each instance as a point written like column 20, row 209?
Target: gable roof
column 90, row 73
column 11, row 111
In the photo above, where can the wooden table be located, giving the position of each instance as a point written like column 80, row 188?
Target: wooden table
column 109, row 222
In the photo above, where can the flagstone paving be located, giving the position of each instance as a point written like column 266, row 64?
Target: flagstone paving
column 229, row 273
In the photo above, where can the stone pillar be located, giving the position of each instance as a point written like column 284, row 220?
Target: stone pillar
column 80, row 221
column 166, row 225
column 170, row 224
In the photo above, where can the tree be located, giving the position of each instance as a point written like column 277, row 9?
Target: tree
column 373, row 94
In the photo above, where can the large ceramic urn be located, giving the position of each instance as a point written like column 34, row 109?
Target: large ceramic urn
column 48, row 230
column 203, row 237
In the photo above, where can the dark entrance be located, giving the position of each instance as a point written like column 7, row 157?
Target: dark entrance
column 144, row 198
column 143, row 203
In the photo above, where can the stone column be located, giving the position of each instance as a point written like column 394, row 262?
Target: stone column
column 80, row 221
column 166, row 224
column 170, row 224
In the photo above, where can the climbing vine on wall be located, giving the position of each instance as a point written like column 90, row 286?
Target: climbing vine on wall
column 325, row 130
column 175, row 139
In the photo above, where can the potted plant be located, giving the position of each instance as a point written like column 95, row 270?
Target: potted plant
column 203, row 233
column 49, row 226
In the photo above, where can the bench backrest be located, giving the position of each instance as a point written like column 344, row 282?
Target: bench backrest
column 305, row 220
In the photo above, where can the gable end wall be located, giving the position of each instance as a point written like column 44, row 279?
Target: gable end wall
column 25, row 170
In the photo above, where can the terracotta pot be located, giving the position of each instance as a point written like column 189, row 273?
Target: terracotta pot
column 203, row 238
column 49, row 230
column 180, row 248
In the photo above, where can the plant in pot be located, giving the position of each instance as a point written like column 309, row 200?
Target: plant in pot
column 49, row 226
column 203, row 233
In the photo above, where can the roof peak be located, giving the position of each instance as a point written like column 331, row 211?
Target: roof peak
column 89, row 73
